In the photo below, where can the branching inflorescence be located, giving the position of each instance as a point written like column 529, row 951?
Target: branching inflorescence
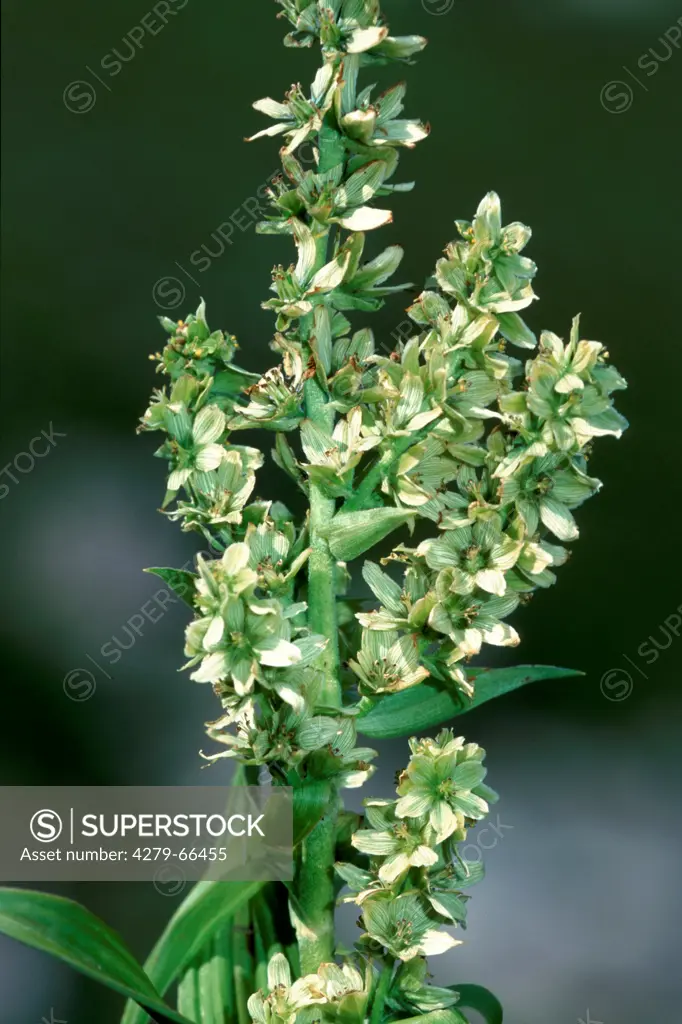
column 453, row 429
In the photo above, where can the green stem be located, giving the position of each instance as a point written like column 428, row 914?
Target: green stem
column 315, row 877
column 363, row 496
column 316, row 895
column 315, row 881
column 321, row 565
column 381, row 992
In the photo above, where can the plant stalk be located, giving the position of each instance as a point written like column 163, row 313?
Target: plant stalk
column 315, row 880
column 321, row 565
column 382, row 990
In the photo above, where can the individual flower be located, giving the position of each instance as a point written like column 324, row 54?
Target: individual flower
column 545, row 491
column 478, row 556
column 192, row 445
column 333, row 754
column 422, row 475
column 444, row 780
column 468, row 620
column 377, row 123
column 387, row 662
column 277, row 556
column 403, row 926
column 401, row 844
column 274, row 403
column 331, row 459
column 298, row 117
column 338, row 982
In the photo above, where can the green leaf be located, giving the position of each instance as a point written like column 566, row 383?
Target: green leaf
column 352, row 533
column 178, row 580
column 424, row 706
column 206, row 989
column 231, row 382
column 311, row 800
column 450, row 1016
column 475, row 997
column 68, row 931
column 321, row 341
column 514, row 329
column 188, row 994
column 194, row 924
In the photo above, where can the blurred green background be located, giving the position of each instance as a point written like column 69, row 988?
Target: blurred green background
column 118, row 166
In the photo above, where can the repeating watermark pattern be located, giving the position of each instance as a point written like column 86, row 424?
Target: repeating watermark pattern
column 438, row 7
column 80, row 96
column 618, row 95
column 588, row 1019
column 170, row 291
column 485, row 839
column 80, row 684
column 25, row 462
column 617, row 684
column 170, row 880
column 52, row 1019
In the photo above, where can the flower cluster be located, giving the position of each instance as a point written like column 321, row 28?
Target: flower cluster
column 251, row 642
column 217, row 478
column 410, row 885
column 337, row 993
column 488, row 451
column 494, row 453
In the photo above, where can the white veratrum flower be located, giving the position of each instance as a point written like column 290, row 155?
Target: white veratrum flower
column 478, row 555
column 238, row 633
column 280, row 1006
column 403, row 844
column 338, row 982
column 444, row 780
column 194, row 446
column 402, row 925
column 387, row 662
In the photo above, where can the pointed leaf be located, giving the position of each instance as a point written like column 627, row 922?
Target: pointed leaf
column 196, row 921
column 352, row 533
column 68, row 931
column 178, row 580
column 475, row 997
column 423, row 707
column 450, row 1016
column 311, row 800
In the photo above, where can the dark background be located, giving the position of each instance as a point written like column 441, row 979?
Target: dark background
column 579, row 915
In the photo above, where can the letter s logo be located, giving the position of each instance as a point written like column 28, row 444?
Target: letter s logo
column 46, row 826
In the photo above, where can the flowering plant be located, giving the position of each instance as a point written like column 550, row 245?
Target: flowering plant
column 471, row 459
